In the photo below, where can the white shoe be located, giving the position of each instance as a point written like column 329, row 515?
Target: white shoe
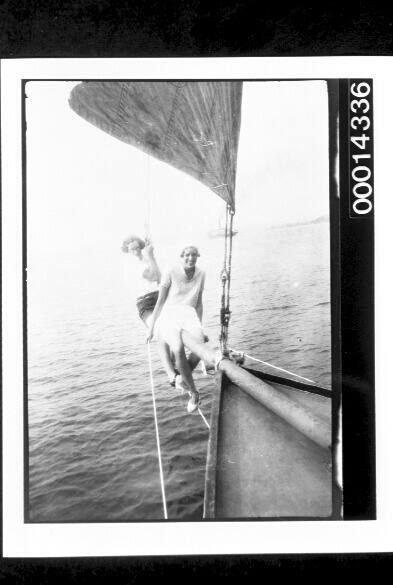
column 202, row 367
column 193, row 406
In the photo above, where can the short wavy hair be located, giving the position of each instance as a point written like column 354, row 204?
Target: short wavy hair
column 186, row 248
column 131, row 239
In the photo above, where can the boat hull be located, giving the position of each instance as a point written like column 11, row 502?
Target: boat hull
column 259, row 465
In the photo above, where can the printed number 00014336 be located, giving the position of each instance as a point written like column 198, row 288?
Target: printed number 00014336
column 361, row 161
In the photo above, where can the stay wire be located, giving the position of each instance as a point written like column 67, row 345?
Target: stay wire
column 226, row 278
column 271, row 365
column 147, row 198
column 203, row 418
column 157, row 434
column 231, row 212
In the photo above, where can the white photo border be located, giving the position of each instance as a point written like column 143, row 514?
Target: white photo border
column 183, row 538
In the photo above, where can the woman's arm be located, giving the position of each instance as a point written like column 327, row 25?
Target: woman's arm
column 199, row 311
column 162, row 296
column 153, row 272
column 199, row 305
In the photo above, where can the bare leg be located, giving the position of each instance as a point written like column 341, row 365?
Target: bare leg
column 184, row 369
column 193, row 359
column 163, row 350
column 211, row 356
column 165, row 356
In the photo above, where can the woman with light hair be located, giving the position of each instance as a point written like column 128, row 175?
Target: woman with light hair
column 179, row 307
column 150, row 277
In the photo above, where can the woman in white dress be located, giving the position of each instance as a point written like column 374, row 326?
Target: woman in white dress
column 179, row 307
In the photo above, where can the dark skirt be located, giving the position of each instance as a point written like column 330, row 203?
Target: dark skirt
column 146, row 303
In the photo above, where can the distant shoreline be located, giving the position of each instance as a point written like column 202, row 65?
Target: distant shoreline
column 320, row 219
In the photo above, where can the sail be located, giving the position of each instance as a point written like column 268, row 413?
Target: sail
column 193, row 126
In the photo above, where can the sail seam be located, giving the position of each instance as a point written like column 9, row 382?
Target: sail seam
column 172, row 116
column 120, row 106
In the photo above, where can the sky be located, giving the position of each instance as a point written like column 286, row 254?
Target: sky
column 86, row 191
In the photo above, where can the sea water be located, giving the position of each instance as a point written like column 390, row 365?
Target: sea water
column 92, row 450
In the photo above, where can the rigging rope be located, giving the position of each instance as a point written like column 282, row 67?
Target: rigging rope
column 226, row 279
column 203, row 418
column 272, row 366
column 157, row 434
column 147, row 198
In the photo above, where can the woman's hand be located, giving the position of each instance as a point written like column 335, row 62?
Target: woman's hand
column 150, row 334
column 149, row 247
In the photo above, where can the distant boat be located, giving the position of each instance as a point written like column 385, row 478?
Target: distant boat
column 220, row 233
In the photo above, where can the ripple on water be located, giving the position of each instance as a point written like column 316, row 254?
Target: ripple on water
column 92, row 445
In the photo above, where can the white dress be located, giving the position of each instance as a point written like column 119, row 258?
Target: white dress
column 179, row 310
